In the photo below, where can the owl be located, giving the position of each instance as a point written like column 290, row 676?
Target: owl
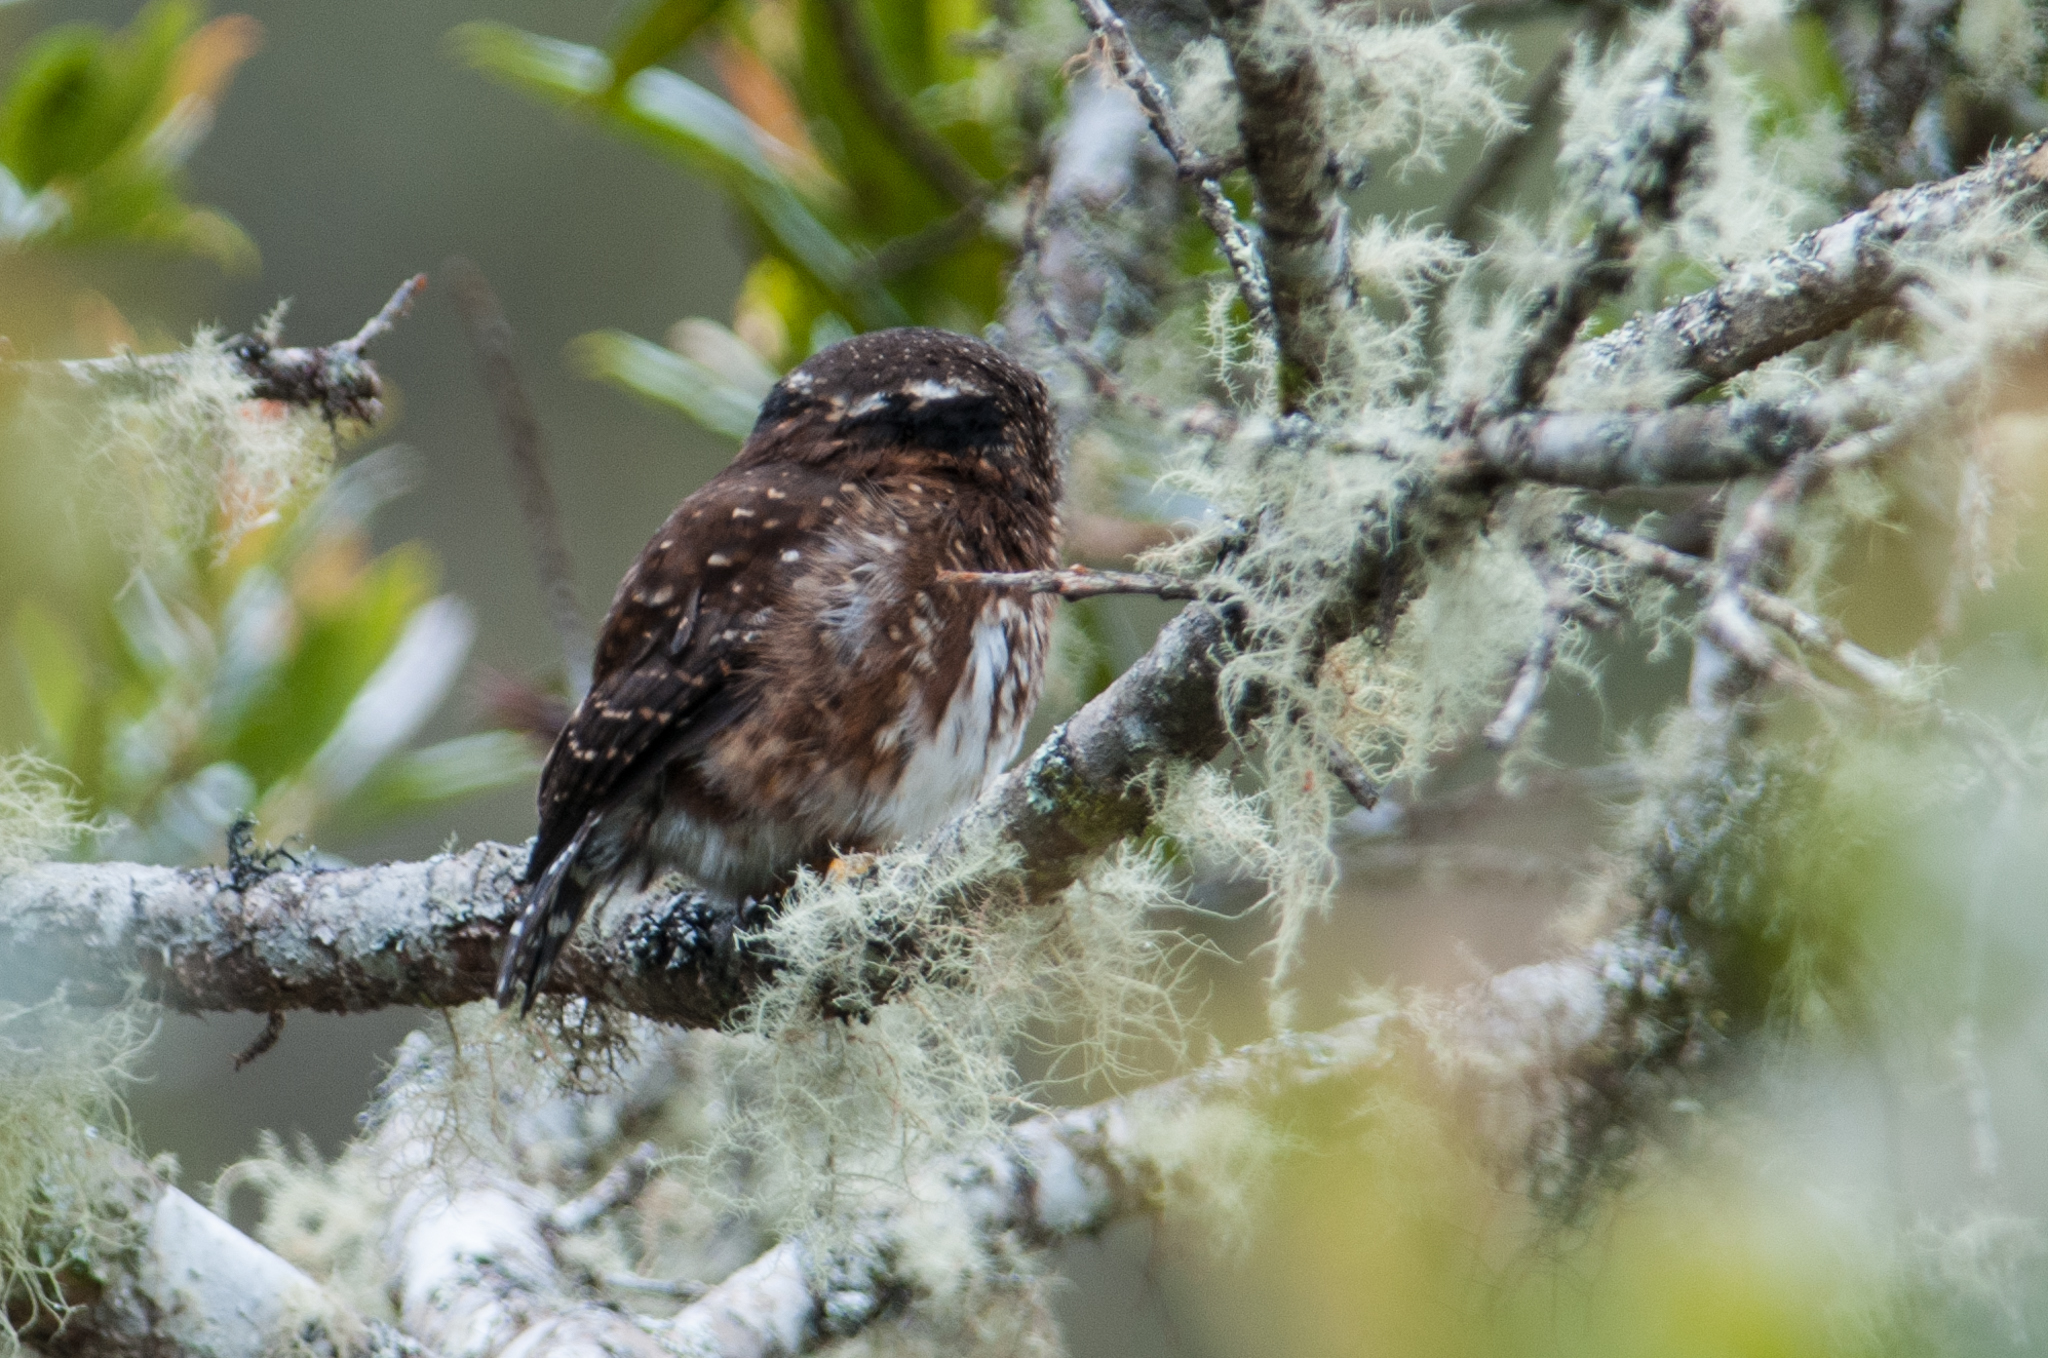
column 781, row 677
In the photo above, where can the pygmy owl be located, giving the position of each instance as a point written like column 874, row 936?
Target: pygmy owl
column 781, row 676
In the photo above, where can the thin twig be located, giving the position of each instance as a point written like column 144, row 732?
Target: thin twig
column 491, row 336
column 393, row 312
column 1531, row 678
column 933, row 158
column 273, row 1029
column 620, row 1186
column 1078, row 582
column 1299, row 183
column 1809, row 631
column 1348, row 771
column 1762, row 534
column 1231, row 234
column 1635, row 187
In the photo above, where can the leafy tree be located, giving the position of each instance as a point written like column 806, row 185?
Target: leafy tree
column 1439, row 359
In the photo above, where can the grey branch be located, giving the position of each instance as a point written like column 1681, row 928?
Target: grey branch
column 345, row 941
column 334, row 379
column 1634, row 184
column 1822, row 281
column 620, row 1185
column 471, row 1267
column 1221, row 217
column 1814, row 633
column 429, row 933
column 1077, row 582
column 1603, row 450
column 1301, row 215
column 192, row 1286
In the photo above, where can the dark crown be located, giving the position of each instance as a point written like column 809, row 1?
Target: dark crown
column 914, row 388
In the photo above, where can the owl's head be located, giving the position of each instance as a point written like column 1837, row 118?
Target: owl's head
column 913, row 399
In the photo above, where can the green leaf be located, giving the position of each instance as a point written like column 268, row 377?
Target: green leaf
column 655, row 30
column 441, row 773
column 340, row 646
column 689, row 123
column 668, row 378
column 58, row 673
column 82, row 94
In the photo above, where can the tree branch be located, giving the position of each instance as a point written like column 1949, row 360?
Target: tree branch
column 1236, row 242
column 1822, row 281
column 1078, row 582
column 334, row 379
column 429, row 933
column 192, row 1286
column 490, row 334
column 1603, row 450
column 1301, row 215
column 1635, row 184
column 1677, row 568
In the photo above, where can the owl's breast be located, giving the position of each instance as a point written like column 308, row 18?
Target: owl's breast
column 880, row 702
column 956, row 739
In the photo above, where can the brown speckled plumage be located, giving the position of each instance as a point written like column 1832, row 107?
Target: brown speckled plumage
column 779, row 676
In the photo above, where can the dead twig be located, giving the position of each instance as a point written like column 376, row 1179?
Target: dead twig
column 1078, row 582
column 490, row 334
column 1501, row 154
column 273, row 1029
column 620, row 1185
column 334, row 379
column 1231, row 234
column 1677, row 568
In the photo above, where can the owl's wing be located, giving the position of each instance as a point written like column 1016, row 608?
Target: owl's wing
column 680, row 630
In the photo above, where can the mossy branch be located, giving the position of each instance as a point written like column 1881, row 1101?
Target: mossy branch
column 334, row 379
column 1298, row 181
column 1821, row 282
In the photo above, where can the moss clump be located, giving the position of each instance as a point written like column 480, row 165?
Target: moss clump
column 61, row 1215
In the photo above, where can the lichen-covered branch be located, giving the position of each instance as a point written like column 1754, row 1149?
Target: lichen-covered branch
column 339, row 941
column 1301, row 215
column 189, row 1285
column 1822, row 281
column 1236, row 242
column 1635, row 183
column 334, row 379
column 1603, row 450
column 429, row 933
column 1814, row 633
column 474, row 1271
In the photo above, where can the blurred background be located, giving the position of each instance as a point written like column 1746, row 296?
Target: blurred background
column 354, row 151
column 350, row 146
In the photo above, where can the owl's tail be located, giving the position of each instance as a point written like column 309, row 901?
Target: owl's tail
column 546, row 920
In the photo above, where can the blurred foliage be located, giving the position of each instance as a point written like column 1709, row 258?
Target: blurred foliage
column 270, row 666
column 859, row 220
column 96, row 126
column 282, row 674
